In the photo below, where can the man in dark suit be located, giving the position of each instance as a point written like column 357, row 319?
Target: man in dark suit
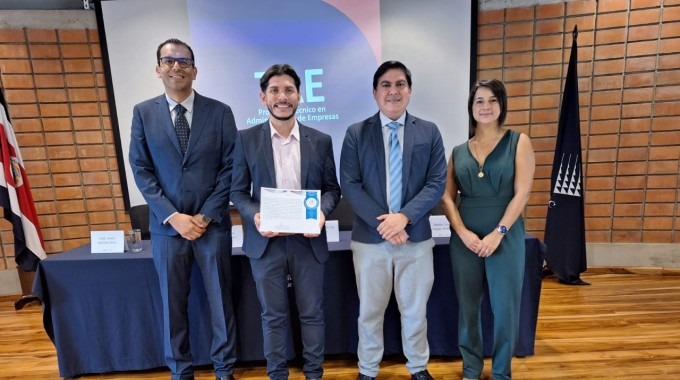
column 282, row 153
column 181, row 156
column 393, row 172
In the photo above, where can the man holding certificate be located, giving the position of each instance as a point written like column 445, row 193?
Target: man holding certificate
column 284, row 176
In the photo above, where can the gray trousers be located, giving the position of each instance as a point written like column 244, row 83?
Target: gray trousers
column 407, row 269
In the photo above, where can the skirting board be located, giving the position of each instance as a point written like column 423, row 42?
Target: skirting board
column 633, row 255
column 9, row 282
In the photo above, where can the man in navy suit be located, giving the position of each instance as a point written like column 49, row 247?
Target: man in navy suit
column 181, row 156
column 393, row 172
column 282, row 153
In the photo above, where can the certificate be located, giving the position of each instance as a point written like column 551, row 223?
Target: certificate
column 290, row 211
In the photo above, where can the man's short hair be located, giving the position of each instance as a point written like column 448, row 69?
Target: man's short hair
column 389, row 65
column 279, row 69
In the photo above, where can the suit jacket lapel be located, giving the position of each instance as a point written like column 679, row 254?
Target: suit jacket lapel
column 163, row 115
column 198, row 122
column 409, row 142
column 379, row 149
column 266, row 144
column 305, row 153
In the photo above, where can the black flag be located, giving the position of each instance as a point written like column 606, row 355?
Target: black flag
column 565, row 231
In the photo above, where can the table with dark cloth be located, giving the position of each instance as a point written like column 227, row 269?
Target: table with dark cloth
column 103, row 311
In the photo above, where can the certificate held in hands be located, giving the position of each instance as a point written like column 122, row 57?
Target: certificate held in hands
column 290, row 211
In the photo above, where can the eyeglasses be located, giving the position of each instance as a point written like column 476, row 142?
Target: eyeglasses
column 170, row 62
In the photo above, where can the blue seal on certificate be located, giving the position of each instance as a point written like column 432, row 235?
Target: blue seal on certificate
column 311, row 204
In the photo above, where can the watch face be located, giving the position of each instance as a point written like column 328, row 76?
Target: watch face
column 311, row 202
column 502, row 229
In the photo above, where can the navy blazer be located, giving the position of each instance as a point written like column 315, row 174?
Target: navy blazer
column 197, row 182
column 363, row 176
column 254, row 164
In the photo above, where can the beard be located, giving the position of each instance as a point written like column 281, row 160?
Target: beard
column 282, row 118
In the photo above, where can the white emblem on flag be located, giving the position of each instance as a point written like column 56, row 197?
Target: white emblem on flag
column 16, row 172
column 568, row 179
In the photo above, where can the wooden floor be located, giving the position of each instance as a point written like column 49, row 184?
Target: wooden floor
column 623, row 326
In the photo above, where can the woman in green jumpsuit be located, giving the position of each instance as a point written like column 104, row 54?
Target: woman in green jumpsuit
column 493, row 172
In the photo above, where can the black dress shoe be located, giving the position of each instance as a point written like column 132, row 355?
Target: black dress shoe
column 422, row 375
column 364, row 377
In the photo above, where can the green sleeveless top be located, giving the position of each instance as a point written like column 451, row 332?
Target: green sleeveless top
column 483, row 200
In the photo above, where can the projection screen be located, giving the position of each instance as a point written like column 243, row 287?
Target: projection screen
column 334, row 45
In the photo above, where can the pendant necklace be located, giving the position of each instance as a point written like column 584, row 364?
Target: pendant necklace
column 476, row 154
column 481, row 167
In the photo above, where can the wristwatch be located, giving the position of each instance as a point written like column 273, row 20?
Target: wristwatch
column 206, row 219
column 502, row 229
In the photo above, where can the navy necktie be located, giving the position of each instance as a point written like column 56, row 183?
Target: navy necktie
column 395, row 168
column 182, row 128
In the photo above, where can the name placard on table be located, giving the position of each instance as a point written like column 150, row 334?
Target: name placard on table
column 440, row 226
column 107, row 242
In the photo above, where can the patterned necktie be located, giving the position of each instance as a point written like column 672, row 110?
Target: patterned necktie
column 395, row 168
column 182, row 128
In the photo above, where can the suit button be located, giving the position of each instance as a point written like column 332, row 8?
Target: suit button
column 185, row 169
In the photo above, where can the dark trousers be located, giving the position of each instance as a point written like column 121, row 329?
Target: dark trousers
column 174, row 257
column 290, row 255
